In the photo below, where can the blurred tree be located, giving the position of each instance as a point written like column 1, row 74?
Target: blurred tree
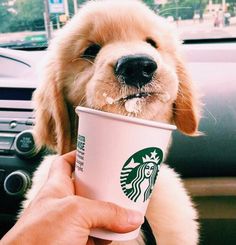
column 149, row 2
column 231, row 7
column 29, row 15
column 184, row 9
column 152, row 4
column 71, row 5
column 81, row 1
column 5, row 15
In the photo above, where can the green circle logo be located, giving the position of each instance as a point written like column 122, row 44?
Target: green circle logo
column 139, row 173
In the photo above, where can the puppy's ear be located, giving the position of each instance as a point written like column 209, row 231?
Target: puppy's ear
column 52, row 127
column 186, row 107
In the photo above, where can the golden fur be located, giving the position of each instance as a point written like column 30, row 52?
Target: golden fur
column 70, row 80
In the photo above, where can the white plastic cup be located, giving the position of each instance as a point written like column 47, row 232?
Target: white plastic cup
column 118, row 159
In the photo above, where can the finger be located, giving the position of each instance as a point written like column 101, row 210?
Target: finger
column 98, row 214
column 70, row 158
column 63, row 165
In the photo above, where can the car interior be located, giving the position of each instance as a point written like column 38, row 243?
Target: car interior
column 207, row 162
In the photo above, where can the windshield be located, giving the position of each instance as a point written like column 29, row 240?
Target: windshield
column 31, row 23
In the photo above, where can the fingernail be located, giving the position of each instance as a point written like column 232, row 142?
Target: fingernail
column 135, row 218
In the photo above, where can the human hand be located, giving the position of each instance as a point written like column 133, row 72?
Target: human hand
column 58, row 216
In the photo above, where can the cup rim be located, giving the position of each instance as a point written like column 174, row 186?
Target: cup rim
column 126, row 118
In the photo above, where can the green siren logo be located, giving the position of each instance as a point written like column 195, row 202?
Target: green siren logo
column 139, row 173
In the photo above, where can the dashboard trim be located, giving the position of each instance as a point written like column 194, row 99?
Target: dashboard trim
column 14, row 59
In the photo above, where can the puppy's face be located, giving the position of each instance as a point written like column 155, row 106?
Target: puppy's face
column 114, row 59
column 125, row 60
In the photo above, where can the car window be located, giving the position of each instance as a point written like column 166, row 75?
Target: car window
column 27, row 24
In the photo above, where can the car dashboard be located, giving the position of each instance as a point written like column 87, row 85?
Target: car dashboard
column 18, row 155
column 207, row 163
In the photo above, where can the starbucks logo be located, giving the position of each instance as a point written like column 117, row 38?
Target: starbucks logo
column 139, row 173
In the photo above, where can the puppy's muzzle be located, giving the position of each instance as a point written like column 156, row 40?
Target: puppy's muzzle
column 135, row 70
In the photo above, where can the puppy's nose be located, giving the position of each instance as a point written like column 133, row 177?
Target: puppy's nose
column 135, row 70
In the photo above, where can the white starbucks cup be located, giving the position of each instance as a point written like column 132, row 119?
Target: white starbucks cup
column 118, row 159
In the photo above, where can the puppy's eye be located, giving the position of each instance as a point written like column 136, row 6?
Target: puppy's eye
column 91, row 52
column 151, row 41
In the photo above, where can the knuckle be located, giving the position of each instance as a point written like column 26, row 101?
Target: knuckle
column 72, row 201
column 114, row 209
column 76, row 205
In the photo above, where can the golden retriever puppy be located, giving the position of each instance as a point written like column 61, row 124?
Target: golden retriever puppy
column 120, row 57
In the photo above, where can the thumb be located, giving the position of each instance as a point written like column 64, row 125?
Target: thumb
column 109, row 216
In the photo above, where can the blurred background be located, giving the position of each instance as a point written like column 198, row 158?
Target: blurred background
column 31, row 23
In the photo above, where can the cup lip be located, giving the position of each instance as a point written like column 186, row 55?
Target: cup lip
column 126, row 118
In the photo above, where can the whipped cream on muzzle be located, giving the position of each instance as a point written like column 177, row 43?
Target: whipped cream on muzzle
column 133, row 103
